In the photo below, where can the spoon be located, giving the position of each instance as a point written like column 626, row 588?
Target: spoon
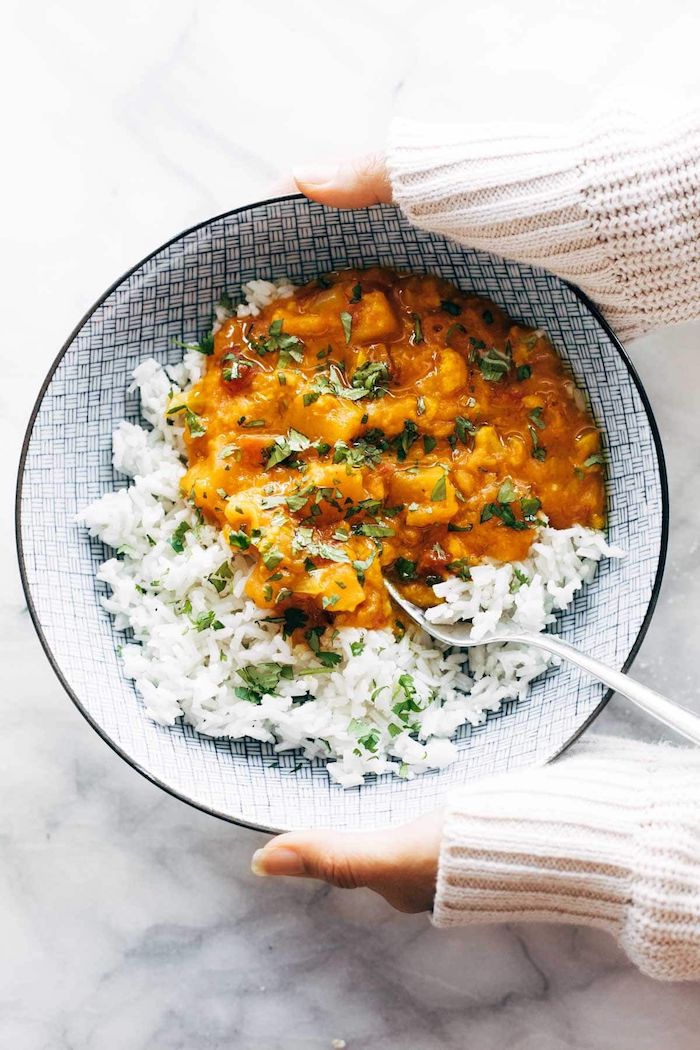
column 653, row 703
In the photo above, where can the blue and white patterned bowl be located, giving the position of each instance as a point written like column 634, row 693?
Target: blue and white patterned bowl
column 66, row 463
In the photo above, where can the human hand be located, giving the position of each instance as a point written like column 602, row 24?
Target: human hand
column 400, row 863
column 352, row 184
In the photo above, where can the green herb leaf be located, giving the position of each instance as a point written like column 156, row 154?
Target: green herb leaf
column 451, row 527
column 239, row 539
column 439, row 488
column 261, row 679
column 523, row 372
column 596, row 458
column 417, row 330
column 405, row 569
column 346, row 321
column 429, row 442
column 177, row 540
column 535, row 416
column 494, row 364
column 356, row 293
column 357, row 648
column 530, row 506
column 506, row 493
column 487, row 316
column 372, row 377
column 450, row 308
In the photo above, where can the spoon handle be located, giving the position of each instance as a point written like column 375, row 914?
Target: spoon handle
column 672, row 715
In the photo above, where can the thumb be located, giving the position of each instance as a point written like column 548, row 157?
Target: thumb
column 352, row 184
column 398, row 863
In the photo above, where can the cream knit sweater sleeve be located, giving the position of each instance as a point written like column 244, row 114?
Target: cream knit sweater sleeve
column 612, row 205
column 606, row 836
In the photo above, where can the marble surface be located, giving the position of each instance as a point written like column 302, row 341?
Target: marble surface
column 127, row 919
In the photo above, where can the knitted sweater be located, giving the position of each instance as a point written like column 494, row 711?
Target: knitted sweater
column 612, row 206
column 609, row 835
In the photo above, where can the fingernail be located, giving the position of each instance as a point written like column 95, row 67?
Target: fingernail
column 315, row 176
column 277, row 861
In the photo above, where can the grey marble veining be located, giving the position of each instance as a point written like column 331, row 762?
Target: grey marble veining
column 127, row 919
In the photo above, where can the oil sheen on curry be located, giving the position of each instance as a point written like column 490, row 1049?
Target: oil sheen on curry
column 377, row 422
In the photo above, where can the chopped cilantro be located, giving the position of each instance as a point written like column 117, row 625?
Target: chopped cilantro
column 358, row 647
column 535, row 416
column 356, row 293
column 429, row 442
column 177, row 540
column 523, row 372
column 239, row 539
column 372, row 378
column 494, row 364
column 592, row 460
column 346, row 321
column 439, row 488
column 417, row 336
column 405, row 569
column 450, row 308
column 261, row 679
column 506, row 493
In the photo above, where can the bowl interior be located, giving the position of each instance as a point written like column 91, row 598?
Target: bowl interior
column 67, row 464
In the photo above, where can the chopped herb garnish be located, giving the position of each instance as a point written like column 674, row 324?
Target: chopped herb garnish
column 463, row 428
column 205, row 620
column 504, row 513
column 252, row 424
column 372, row 377
column 596, row 458
column 420, row 406
column 324, row 657
column 417, row 336
column 290, row 347
column 346, row 321
column 403, row 441
column 523, row 372
column 535, row 416
column 356, row 293
column 329, row 602
column 506, row 493
column 429, row 442
column 261, row 679
column 272, row 558
column 494, row 364
column 204, row 346
column 375, row 531
column 439, row 488
column 530, row 506
column 177, row 540
column 487, row 316
column 239, row 539
column 450, row 308
column 357, row 648
column 520, row 579
column 193, row 421
column 405, row 569
column 451, row 527
column 538, row 452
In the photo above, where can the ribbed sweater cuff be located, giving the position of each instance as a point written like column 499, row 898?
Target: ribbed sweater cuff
column 610, row 204
column 607, row 837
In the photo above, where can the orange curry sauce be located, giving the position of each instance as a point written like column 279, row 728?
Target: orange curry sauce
column 382, row 422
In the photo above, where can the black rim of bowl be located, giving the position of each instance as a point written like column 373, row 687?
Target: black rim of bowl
column 240, row 820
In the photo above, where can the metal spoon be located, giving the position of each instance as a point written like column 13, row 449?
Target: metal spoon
column 656, row 705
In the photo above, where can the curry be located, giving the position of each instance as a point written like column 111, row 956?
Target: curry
column 378, row 422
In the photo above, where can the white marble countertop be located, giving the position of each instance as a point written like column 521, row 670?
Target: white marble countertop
column 129, row 920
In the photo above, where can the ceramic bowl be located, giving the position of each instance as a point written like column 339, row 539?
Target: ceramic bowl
column 66, row 463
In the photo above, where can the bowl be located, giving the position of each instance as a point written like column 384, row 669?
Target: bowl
column 66, row 463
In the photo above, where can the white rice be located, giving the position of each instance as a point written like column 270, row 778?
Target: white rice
column 342, row 715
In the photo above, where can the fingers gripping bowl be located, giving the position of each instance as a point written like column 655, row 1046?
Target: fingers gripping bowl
column 169, row 297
